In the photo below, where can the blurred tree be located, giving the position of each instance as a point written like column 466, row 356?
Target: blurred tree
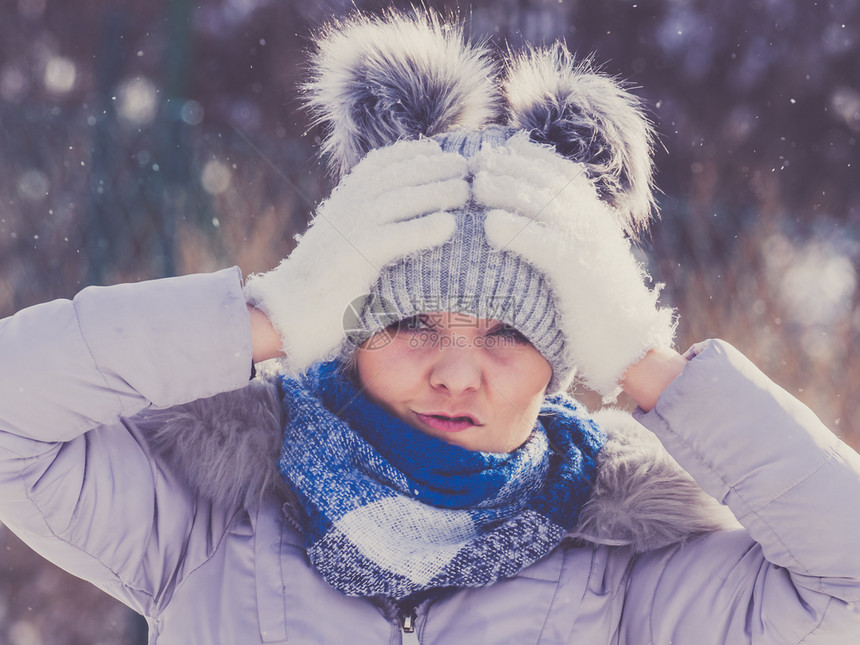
column 105, row 230
column 175, row 158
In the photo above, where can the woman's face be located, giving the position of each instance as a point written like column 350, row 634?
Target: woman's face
column 472, row 382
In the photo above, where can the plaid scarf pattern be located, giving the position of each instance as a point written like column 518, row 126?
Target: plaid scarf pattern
column 390, row 511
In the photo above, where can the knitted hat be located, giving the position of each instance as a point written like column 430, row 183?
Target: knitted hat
column 376, row 81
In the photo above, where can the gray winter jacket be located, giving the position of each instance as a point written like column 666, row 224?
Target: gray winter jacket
column 179, row 513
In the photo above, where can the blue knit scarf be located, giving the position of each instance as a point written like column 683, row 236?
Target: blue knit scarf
column 391, row 511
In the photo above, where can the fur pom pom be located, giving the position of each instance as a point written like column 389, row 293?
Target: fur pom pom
column 375, row 81
column 590, row 119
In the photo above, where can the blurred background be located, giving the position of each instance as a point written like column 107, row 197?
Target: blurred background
column 140, row 140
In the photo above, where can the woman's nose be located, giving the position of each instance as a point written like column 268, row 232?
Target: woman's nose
column 456, row 370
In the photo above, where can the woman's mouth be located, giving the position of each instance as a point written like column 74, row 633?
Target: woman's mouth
column 447, row 423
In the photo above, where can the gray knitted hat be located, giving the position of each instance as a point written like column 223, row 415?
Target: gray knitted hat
column 376, row 81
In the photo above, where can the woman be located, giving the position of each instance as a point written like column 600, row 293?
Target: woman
column 421, row 477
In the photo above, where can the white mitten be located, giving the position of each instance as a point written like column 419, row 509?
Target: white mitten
column 544, row 209
column 393, row 203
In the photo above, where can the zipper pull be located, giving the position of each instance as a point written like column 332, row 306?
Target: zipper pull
column 408, row 635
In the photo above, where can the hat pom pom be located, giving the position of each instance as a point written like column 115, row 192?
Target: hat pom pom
column 591, row 119
column 375, row 81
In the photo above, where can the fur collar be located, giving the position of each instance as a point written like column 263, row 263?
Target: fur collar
column 227, row 447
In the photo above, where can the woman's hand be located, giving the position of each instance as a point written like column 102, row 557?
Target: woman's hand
column 545, row 209
column 394, row 202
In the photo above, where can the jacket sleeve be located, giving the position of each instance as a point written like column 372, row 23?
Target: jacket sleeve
column 793, row 574
column 76, row 480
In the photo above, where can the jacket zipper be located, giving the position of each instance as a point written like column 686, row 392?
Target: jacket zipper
column 407, row 615
column 289, row 515
column 408, row 627
column 289, row 509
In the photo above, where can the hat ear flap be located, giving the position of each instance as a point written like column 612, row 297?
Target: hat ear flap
column 590, row 119
column 375, row 81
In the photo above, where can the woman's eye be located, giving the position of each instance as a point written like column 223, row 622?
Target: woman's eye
column 506, row 331
column 415, row 323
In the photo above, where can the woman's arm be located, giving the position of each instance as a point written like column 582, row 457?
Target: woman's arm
column 266, row 342
column 71, row 365
column 794, row 486
column 77, row 481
